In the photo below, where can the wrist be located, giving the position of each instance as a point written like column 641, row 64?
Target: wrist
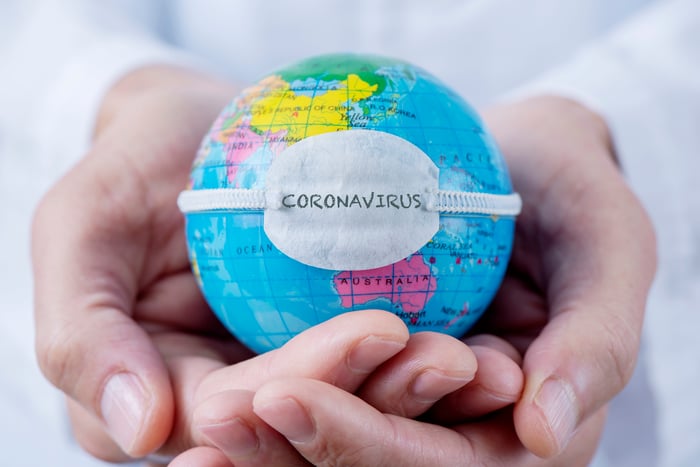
column 145, row 82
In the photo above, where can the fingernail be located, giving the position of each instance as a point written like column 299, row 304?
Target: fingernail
column 124, row 404
column 557, row 401
column 371, row 352
column 431, row 385
column 235, row 438
column 288, row 417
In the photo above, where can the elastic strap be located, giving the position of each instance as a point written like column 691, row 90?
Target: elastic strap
column 456, row 202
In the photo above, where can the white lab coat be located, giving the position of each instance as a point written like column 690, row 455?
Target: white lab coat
column 637, row 62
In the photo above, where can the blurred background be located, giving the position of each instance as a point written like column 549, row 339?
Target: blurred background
column 34, row 428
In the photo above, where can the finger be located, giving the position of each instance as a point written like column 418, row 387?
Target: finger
column 223, row 350
column 518, row 312
column 90, row 433
column 342, row 351
column 498, row 383
column 227, row 422
column 431, row 366
column 329, row 426
column 496, row 343
column 176, row 301
column 125, row 384
column 190, row 358
column 202, row 456
column 186, row 371
column 87, row 344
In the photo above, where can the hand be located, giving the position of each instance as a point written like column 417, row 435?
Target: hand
column 584, row 258
column 121, row 327
column 572, row 304
column 229, row 417
column 330, row 426
column 111, row 271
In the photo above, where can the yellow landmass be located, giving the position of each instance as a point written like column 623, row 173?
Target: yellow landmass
column 302, row 115
column 228, row 123
column 268, row 84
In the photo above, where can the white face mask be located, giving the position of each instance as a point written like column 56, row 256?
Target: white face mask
column 351, row 200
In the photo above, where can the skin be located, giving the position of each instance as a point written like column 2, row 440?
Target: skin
column 117, row 308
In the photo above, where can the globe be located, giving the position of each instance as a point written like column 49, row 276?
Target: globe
column 347, row 182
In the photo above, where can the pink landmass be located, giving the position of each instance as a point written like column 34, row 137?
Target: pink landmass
column 241, row 142
column 407, row 283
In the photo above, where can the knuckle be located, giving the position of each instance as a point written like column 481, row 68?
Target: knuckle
column 328, row 454
column 56, row 354
column 356, row 456
column 46, row 210
column 621, row 346
column 321, row 453
column 52, row 356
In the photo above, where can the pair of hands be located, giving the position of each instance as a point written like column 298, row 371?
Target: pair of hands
column 123, row 331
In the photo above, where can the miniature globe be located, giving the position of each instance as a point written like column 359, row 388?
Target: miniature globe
column 348, row 182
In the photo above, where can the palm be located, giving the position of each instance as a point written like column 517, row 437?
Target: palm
column 144, row 167
column 520, row 310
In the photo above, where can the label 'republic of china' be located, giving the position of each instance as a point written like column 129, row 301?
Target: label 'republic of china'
column 350, row 200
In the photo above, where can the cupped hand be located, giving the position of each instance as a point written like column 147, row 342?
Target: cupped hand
column 110, row 266
column 584, row 257
column 572, row 305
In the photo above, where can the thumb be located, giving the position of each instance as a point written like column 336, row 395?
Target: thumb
column 329, row 426
column 587, row 352
column 86, row 341
column 581, row 360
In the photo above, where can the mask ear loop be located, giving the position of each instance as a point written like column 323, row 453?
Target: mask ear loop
column 221, row 199
column 443, row 201
column 465, row 202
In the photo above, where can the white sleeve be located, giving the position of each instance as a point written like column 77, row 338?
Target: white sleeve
column 644, row 79
column 59, row 59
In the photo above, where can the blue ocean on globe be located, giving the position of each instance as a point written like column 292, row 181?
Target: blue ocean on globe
column 263, row 296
